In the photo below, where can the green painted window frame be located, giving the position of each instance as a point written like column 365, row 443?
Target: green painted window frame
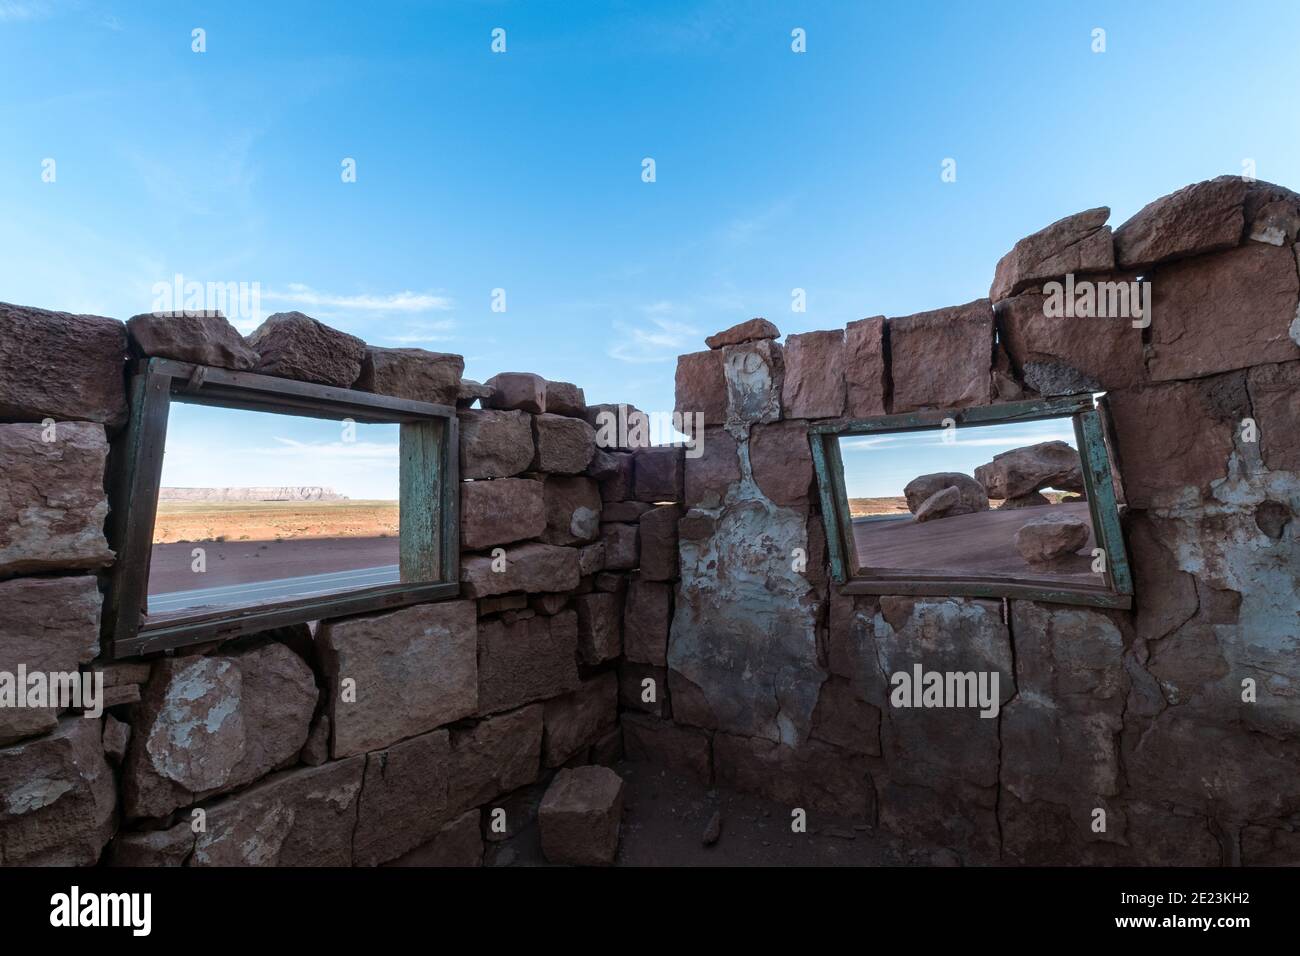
column 429, row 520
column 1089, row 430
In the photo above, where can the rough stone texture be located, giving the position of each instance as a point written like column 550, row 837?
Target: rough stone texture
column 782, row 462
column 1068, row 355
column 61, row 366
column 844, row 718
column 116, row 737
column 751, row 330
column 755, row 373
column 417, row 374
column 644, row 688
column 621, row 549
column 1173, row 440
column 302, row 817
column 403, row 798
column 293, row 345
column 52, row 500
column 603, row 464
column 517, row 390
column 866, row 372
column 815, row 776
column 600, row 627
column 942, row 359
column 1022, row 471
column 576, row 721
column 565, row 445
column 459, row 843
column 501, row 511
column 814, row 375
column 591, row 559
column 528, row 660
column 1199, row 218
column 414, row 669
column 1041, row 541
column 580, row 816
column 1078, row 243
column 620, row 485
column 942, row 504
column 471, row 392
column 743, row 650
column 51, row 625
column 204, row 338
column 494, row 756
column 702, row 386
column 531, row 567
column 571, row 510
column 647, row 615
column 57, row 799
column 1031, row 500
column 565, row 398
column 665, row 744
column 1275, row 401
column 707, row 477
column 658, row 473
column 208, row 725
column 1060, row 732
column 659, row 543
column 1223, row 312
column 494, row 444
column 973, row 497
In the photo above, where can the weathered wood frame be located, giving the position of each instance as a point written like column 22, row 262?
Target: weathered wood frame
column 1088, row 429
column 429, row 509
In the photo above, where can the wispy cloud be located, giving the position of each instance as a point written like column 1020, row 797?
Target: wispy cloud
column 378, row 454
column 406, row 301
column 929, row 438
column 17, row 11
column 659, row 339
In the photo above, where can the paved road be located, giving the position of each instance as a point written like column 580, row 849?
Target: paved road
column 981, row 543
column 280, row 589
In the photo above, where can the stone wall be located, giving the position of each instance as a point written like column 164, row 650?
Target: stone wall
column 778, row 681
column 382, row 738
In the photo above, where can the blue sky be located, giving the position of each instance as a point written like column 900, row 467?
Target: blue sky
column 522, row 170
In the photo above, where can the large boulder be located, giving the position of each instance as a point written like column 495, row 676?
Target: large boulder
column 1022, row 471
column 52, row 500
column 209, row 725
column 1078, row 243
column 1042, row 541
column 62, row 366
column 294, row 345
column 942, row 504
column 972, row 494
column 416, row 374
column 1198, row 218
column 204, row 338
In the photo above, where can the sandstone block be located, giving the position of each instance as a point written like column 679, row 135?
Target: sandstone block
column 528, row 660
column 495, row 756
column 781, row 459
column 659, row 543
column 942, row 359
column 204, row 338
column 565, row 446
column 866, row 372
column 572, row 510
column 620, row 485
column 403, row 798
column 293, row 345
column 708, row 477
column 646, row 619
column 751, row 330
column 414, row 669
column 1202, row 217
column 417, row 374
column 580, row 816
column 1275, row 401
column 600, row 627
column 814, row 375
column 622, row 552
column 659, row 474
column 565, row 398
column 577, row 720
column 518, row 390
column 702, row 386
column 500, row 512
column 459, row 843
column 52, row 500
column 495, row 444
column 1078, row 243
column 531, row 567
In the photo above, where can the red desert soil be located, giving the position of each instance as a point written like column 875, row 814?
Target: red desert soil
column 980, row 543
column 181, row 521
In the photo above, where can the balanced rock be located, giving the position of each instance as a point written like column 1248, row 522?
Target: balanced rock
column 970, row 492
column 1022, row 471
column 751, row 330
column 293, row 345
column 1046, row 539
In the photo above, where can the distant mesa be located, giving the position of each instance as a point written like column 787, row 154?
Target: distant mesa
column 301, row 493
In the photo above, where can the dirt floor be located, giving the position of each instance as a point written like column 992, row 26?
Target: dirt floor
column 665, row 815
column 251, row 562
column 184, row 521
column 980, row 543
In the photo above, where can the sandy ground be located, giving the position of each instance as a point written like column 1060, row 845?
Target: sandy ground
column 665, row 814
column 252, row 562
column 980, row 543
column 261, row 521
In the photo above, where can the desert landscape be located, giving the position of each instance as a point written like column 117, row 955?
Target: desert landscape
column 180, row 522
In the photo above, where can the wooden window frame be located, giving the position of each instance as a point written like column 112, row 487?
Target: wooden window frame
column 1089, row 431
column 429, row 508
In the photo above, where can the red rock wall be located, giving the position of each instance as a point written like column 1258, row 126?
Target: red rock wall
column 779, row 682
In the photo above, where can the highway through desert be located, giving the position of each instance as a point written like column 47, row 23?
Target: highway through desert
column 253, row 572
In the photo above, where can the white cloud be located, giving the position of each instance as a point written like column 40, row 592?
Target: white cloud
column 406, row 301
column 659, row 340
column 13, row 11
column 915, row 439
column 367, row 452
